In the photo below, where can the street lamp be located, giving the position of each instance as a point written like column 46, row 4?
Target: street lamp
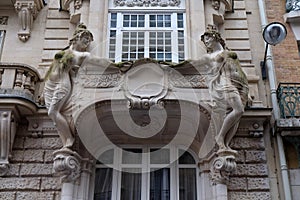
column 273, row 34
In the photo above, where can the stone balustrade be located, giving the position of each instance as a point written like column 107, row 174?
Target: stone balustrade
column 20, row 81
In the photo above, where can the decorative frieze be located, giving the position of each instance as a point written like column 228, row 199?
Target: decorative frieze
column 147, row 3
column 27, row 12
column 188, row 81
column 101, row 80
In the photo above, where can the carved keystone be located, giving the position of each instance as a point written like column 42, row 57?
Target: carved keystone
column 67, row 165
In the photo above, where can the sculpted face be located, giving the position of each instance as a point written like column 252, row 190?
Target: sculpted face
column 209, row 41
column 84, row 41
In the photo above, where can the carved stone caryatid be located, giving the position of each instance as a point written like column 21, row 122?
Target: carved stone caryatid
column 27, row 12
column 67, row 165
column 59, row 82
column 7, row 135
column 228, row 87
column 147, row 3
column 292, row 5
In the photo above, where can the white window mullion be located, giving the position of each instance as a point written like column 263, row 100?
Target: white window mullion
column 119, row 37
column 174, row 37
column 147, row 25
column 185, row 38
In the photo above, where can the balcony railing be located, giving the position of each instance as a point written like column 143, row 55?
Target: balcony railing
column 19, row 81
column 288, row 95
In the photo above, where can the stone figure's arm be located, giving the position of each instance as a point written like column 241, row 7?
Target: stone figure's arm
column 204, row 60
column 101, row 62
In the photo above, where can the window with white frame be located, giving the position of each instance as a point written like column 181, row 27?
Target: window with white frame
column 158, row 35
column 146, row 173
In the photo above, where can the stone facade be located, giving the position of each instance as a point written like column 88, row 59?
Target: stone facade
column 35, row 166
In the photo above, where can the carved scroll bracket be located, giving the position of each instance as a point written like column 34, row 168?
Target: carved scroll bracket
column 222, row 166
column 27, row 11
column 67, row 165
column 8, row 127
column 74, row 8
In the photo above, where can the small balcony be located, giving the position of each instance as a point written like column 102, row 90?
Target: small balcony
column 288, row 96
column 19, row 85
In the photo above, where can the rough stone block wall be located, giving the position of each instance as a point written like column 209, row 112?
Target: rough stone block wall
column 30, row 176
column 285, row 55
column 250, row 180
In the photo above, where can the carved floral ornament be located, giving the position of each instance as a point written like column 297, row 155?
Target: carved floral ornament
column 147, row 3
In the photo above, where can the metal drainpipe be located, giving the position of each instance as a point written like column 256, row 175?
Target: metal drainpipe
column 272, row 81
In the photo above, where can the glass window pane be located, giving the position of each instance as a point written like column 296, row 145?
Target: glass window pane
column 133, row 17
column 186, row 158
column 168, row 42
column 103, row 184
column 131, row 184
column 112, row 34
column 180, row 24
column 132, row 156
column 160, row 184
column 160, row 24
column 126, row 17
column 160, row 34
column 133, row 34
column 133, row 24
column 152, row 55
column 153, row 17
column 126, row 23
column 168, row 57
column 113, row 24
column 125, row 34
column 168, row 24
column 187, row 184
column 168, row 34
column 168, row 17
column 159, row 156
column 152, row 24
column 160, row 56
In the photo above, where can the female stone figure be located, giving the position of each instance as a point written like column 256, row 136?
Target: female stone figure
column 228, row 86
column 58, row 85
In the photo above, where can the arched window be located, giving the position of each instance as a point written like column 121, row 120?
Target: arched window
column 146, row 31
column 146, row 173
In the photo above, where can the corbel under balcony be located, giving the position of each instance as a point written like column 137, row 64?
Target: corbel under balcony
column 8, row 126
column 220, row 7
column 27, row 11
column 73, row 6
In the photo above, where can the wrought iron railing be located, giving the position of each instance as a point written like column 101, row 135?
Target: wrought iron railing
column 288, row 95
